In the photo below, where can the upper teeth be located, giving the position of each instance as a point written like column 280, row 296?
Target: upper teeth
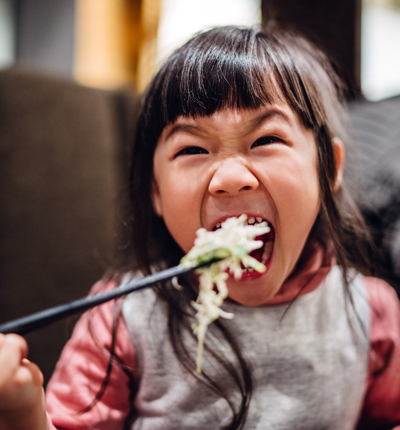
column 250, row 221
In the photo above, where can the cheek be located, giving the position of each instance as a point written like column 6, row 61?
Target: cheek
column 181, row 230
column 180, row 210
column 297, row 197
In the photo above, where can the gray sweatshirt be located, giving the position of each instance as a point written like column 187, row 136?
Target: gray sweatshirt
column 309, row 362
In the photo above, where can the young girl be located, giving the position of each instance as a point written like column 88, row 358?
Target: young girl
column 238, row 121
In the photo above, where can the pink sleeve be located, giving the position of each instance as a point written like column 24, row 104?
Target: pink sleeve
column 49, row 423
column 81, row 370
column 382, row 400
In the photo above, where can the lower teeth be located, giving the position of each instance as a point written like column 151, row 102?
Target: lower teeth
column 267, row 251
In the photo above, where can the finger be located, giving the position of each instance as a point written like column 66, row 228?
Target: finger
column 14, row 349
column 29, row 372
column 14, row 341
column 2, row 339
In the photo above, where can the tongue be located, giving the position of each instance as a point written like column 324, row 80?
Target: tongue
column 258, row 253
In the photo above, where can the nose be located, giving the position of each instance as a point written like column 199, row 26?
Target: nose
column 231, row 177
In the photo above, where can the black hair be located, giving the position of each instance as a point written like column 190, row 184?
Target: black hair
column 232, row 67
column 243, row 68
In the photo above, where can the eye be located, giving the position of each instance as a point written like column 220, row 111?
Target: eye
column 267, row 140
column 191, row 150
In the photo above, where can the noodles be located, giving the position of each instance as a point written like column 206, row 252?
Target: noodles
column 231, row 245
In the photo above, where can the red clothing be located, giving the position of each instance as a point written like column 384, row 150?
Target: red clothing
column 81, row 370
column 382, row 397
column 83, row 364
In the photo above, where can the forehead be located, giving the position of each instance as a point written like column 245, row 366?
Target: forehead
column 231, row 120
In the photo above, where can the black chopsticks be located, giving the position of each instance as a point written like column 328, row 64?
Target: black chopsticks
column 34, row 321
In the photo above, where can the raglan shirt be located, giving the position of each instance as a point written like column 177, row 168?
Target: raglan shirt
column 83, row 363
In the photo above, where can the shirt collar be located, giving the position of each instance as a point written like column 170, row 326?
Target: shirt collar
column 308, row 278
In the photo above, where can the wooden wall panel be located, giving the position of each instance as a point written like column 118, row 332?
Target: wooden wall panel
column 335, row 26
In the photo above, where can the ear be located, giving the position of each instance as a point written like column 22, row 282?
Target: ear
column 156, row 198
column 339, row 153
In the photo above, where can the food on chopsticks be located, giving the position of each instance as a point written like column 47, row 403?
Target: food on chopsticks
column 231, row 245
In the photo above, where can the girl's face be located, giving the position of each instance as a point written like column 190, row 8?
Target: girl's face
column 262, row 163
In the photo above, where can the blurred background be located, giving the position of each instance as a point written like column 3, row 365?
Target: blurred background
column 71, row 75
column 112, row 43
column 108, row 43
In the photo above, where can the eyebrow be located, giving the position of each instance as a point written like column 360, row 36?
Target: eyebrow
column 182, row 128
column 270, row 113
column 255, row 122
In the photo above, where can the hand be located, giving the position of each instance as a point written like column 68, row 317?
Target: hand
column 22, row 402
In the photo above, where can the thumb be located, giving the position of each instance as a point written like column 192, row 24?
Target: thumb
column 29, row 371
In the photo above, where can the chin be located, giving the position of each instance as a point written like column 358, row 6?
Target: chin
column 249, row 292
column 251, row 301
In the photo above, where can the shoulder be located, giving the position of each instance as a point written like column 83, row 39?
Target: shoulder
column 384, row 308
column 379, row 291
column 84, row 364
column 385, row 322
column 385, row 326
column 94, row 332
column 383, row 388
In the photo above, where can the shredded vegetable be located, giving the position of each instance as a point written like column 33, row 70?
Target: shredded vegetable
column 230, row 245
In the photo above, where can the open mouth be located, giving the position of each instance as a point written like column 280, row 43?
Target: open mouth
column 262, row 254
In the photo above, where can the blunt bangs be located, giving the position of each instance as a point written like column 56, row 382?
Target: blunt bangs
column 215, row 70
column 231, row 67
column 220, row 72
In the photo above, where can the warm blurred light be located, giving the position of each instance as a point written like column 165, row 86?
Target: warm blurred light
column 150, row 17
column 116, row 42
column 380, row 48
column 180, row 19
column 101, row 44
column 120, row 42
